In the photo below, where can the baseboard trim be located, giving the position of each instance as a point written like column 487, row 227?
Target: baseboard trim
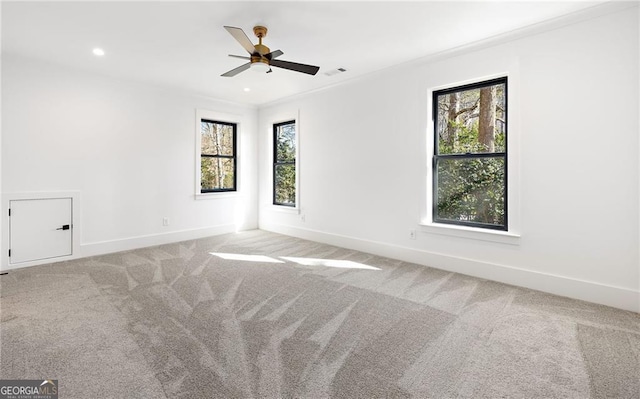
column 617, row 297
column 129, row 243
column 126, row 244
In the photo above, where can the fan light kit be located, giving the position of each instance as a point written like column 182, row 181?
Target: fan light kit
column 260, row 67
column 261, row 59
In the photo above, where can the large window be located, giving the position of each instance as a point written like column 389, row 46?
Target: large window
column 218, row 156
column 284, row 163
column 470, row 155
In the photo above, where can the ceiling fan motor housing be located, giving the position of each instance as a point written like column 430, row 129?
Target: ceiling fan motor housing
column 260, row 49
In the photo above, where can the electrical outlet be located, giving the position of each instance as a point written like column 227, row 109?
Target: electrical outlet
column 412, row 234
column 303, row 218
column 165, row 221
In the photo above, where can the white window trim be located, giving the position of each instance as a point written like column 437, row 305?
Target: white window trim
column 220, row 117
column 290, row 116
column 283, row 209
column 513, row 233
column 473, row 233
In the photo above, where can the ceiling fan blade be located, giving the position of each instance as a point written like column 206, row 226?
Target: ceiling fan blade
column 273, row 54
column 237, row 70
column 242, row 38
column 294, row 66
column 240, row 56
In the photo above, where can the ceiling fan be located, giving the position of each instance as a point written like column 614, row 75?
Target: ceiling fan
column 261, row 58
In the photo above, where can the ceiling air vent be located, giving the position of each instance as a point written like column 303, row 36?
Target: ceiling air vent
column 335, row 71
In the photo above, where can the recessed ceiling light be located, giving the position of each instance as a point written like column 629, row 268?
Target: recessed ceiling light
column 98, row 51
column 247, row 89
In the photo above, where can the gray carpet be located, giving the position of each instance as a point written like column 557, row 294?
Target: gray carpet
column 196, row 320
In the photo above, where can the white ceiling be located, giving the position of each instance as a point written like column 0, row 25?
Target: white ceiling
column 183, row 44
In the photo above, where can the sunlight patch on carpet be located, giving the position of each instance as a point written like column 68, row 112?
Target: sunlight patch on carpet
column 343, row 264
column 248, row 258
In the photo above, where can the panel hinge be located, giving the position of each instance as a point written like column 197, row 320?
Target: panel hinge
column 9, row 211
column 9, row 253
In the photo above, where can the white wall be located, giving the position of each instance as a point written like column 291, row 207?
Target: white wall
column 363, row 162
column 128, row 149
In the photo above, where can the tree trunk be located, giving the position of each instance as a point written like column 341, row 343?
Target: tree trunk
column 486, row 137
column 217, row 132
column 487, row 121
column 452, row 131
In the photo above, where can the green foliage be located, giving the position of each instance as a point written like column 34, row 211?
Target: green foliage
column 285, row 169
column 208, row 177
column 285, row 184
column 286, row 143
column 216, row 173
column 470, row 189
column 467, row 140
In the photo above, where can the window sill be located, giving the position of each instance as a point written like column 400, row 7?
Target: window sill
column 472, row 233
column 218, row 195
column 282, row 208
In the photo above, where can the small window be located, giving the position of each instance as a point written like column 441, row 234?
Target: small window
column 470, row 155
column 218, row 156
column 284, row 164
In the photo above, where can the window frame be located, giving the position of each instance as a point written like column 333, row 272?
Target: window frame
column 459, row 156
column 234, row 155
column 277, row 163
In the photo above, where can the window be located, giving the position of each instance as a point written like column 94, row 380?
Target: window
column 218, row 156
column 284, row 163
column 470, row 155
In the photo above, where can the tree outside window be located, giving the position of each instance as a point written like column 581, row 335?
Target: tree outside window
column 284, row 163
column 470, row 155
column 218, row 156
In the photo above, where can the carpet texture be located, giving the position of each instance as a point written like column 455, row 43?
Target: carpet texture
column 261, row 315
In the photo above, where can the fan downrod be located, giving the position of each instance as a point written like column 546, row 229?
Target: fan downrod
column 261, row 49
